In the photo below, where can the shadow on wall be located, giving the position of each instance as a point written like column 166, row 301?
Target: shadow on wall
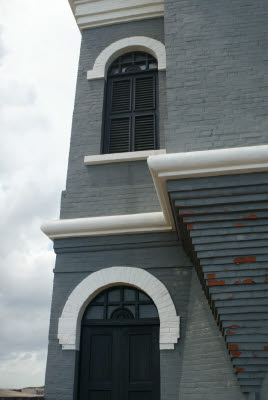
column 207, row 372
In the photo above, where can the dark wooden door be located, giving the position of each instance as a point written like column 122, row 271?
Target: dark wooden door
column 119, row 363
column 140, row 361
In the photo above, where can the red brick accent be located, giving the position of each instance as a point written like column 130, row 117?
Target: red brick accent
column 243, row 260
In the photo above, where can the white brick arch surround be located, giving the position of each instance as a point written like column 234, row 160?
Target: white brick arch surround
column 133, row 43
column 85, row 291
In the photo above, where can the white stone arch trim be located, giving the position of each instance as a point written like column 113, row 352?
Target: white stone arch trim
column 133, row 43
column 70, row 320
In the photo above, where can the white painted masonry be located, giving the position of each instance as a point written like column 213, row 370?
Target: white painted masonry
column 238, row 160
column 70, row 320
column 164, row 167
column 92, row 13
column 111, row 225
column 121, row 157
column 133, row 43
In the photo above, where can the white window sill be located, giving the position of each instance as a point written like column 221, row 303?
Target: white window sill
column 121, row 157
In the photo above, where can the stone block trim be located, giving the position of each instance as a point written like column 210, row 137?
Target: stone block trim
column 70, row 320
column 134, row 43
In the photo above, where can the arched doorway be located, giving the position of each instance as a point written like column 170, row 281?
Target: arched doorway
column 119, row 355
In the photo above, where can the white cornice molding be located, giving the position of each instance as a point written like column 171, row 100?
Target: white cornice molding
column 165, row 167
column 121, row 157
column 132, row 43
column 233, row 160
column 110, row 225
column 203, row 163
column 94, row 13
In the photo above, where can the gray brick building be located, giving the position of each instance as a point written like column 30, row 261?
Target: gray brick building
column 161, row 276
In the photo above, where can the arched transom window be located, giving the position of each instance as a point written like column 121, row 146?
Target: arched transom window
column 120, row 303
column 131, row 113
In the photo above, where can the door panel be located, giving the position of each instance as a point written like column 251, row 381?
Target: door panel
column 140, row 355
column 98, row 363
column 119, row 363
column 100, row 358
column 99, row 395
column 140, row 396
column 140, row 358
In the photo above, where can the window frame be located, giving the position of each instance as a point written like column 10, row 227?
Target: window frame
column 107, row 106
column 122, row 303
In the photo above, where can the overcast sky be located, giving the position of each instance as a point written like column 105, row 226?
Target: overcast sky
column 39, row 49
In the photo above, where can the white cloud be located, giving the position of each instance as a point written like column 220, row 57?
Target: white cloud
column 14, row 369
column 39, row 48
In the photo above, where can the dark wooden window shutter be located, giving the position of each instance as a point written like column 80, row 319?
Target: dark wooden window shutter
column 119, row 135
column 121, row 100
column 145, row 93
column 131, row 104
column 144, row 130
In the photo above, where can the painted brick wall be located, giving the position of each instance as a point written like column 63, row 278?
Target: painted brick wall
column 207, row 372
column 217, row 91
column 106, row 189
column 160, row 254
column 217, row 97
column 217, row 80
column 198, row 368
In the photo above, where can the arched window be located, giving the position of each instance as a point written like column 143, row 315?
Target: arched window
column 131, row 110
column 120, row 303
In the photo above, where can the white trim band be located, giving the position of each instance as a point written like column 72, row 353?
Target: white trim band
column 121, row 157
column 70, row 320
column 101, row 226
column 210, row 162
column 94, row 13
column 133, row 43
column 203, row 163
column 164, row 167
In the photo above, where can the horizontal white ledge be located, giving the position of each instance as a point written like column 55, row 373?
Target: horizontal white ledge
column 209, row 162
column 111, row 225
column 164, row 167
column 89, row 14
column 121, row 157
column 113, row 19
column 237, row 160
